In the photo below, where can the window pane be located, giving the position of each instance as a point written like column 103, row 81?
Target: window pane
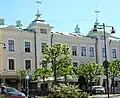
column 27, row 46
column 91, row 49
column 83, row 51
column 28, row 64
column 103, row 52
column 11, row 45
column 44, row 31
column 75, row 64
column 43, row 46
column 11, row 64
column 74, row 50
column 113, row 53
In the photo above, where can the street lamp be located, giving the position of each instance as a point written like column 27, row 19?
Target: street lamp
column 27, row 78
column 55, row 77
column 105, row 63
column 3, row 45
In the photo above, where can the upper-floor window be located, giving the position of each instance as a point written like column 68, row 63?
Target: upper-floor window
column 91, row 49
column 11, row 45
column 27, row 46
column 113, row 53
column 44, row 31
column 74, row 50
column 103, row 52
column 75, row 64
column 83, row 51
column 43, row 46
column 11, row 64
column 28, row 64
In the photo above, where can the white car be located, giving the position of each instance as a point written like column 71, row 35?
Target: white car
column 98, row 89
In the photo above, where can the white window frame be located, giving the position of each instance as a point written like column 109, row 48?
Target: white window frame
column 14, row 64
column 76, row 50
column 25, row 63
column 30, row 45
column 75, row 62
column 8, row 45
column 41, row 46
column 115, row 54
column 81, row 50
column 93, row 51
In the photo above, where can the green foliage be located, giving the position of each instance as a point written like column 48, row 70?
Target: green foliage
column 22, row 74
column 67, row 91
column 114, row 68
column 59, row 56
column 90, row 70
column 43, row 73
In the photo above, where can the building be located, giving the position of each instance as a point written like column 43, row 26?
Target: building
column 24, row 47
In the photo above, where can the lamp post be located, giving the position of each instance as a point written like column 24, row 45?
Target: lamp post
column 27, row 78
column 55, row 77
column 105, row 63
column 3, row 45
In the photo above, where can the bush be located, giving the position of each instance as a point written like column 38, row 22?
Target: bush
column 67, row 91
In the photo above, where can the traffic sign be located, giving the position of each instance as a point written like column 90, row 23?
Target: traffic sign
column 27, row 76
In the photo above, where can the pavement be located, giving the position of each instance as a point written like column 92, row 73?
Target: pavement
column 106, row 96
column 95, row 96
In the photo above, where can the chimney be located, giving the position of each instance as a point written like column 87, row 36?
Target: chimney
column 1, row 21
column 18, row 23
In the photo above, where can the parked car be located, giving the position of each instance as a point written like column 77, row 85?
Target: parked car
column 10, row 91
column 98, row 90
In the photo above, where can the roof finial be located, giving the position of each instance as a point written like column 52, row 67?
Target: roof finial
column 38, row 13
column 77, row 29
column 96, row 16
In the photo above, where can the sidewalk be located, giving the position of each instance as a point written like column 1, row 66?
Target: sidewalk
column 106, row 96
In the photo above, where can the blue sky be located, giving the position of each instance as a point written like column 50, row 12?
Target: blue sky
column 63, row 14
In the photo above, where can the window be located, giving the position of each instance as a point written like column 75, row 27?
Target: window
column 113, row 53
column 102, row 37
column 28, row 64
column 11, row 64
column 27, row 46
column 83, row 51
column 103, row 52
column 44, row 31
column 11, row 45
column 74, row 50
column 43, row 46
column 91, row 51
column 75, row 64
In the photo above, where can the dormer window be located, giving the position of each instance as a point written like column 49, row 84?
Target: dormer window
column 44, row 31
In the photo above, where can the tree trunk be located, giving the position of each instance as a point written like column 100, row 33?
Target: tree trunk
column 113, row 85
column 43, row 86
column 91, row 85
column 65, row 76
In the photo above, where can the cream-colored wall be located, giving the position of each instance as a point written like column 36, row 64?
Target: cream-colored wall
column 19, row 54
column 20, row 36
column 78, row 41
column 1, row 52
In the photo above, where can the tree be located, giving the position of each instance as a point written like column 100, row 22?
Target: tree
column 114, row 70
column 67, row 91
column 89, row 70
column 22, row 75
column 43, row 72
column 59, row 56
